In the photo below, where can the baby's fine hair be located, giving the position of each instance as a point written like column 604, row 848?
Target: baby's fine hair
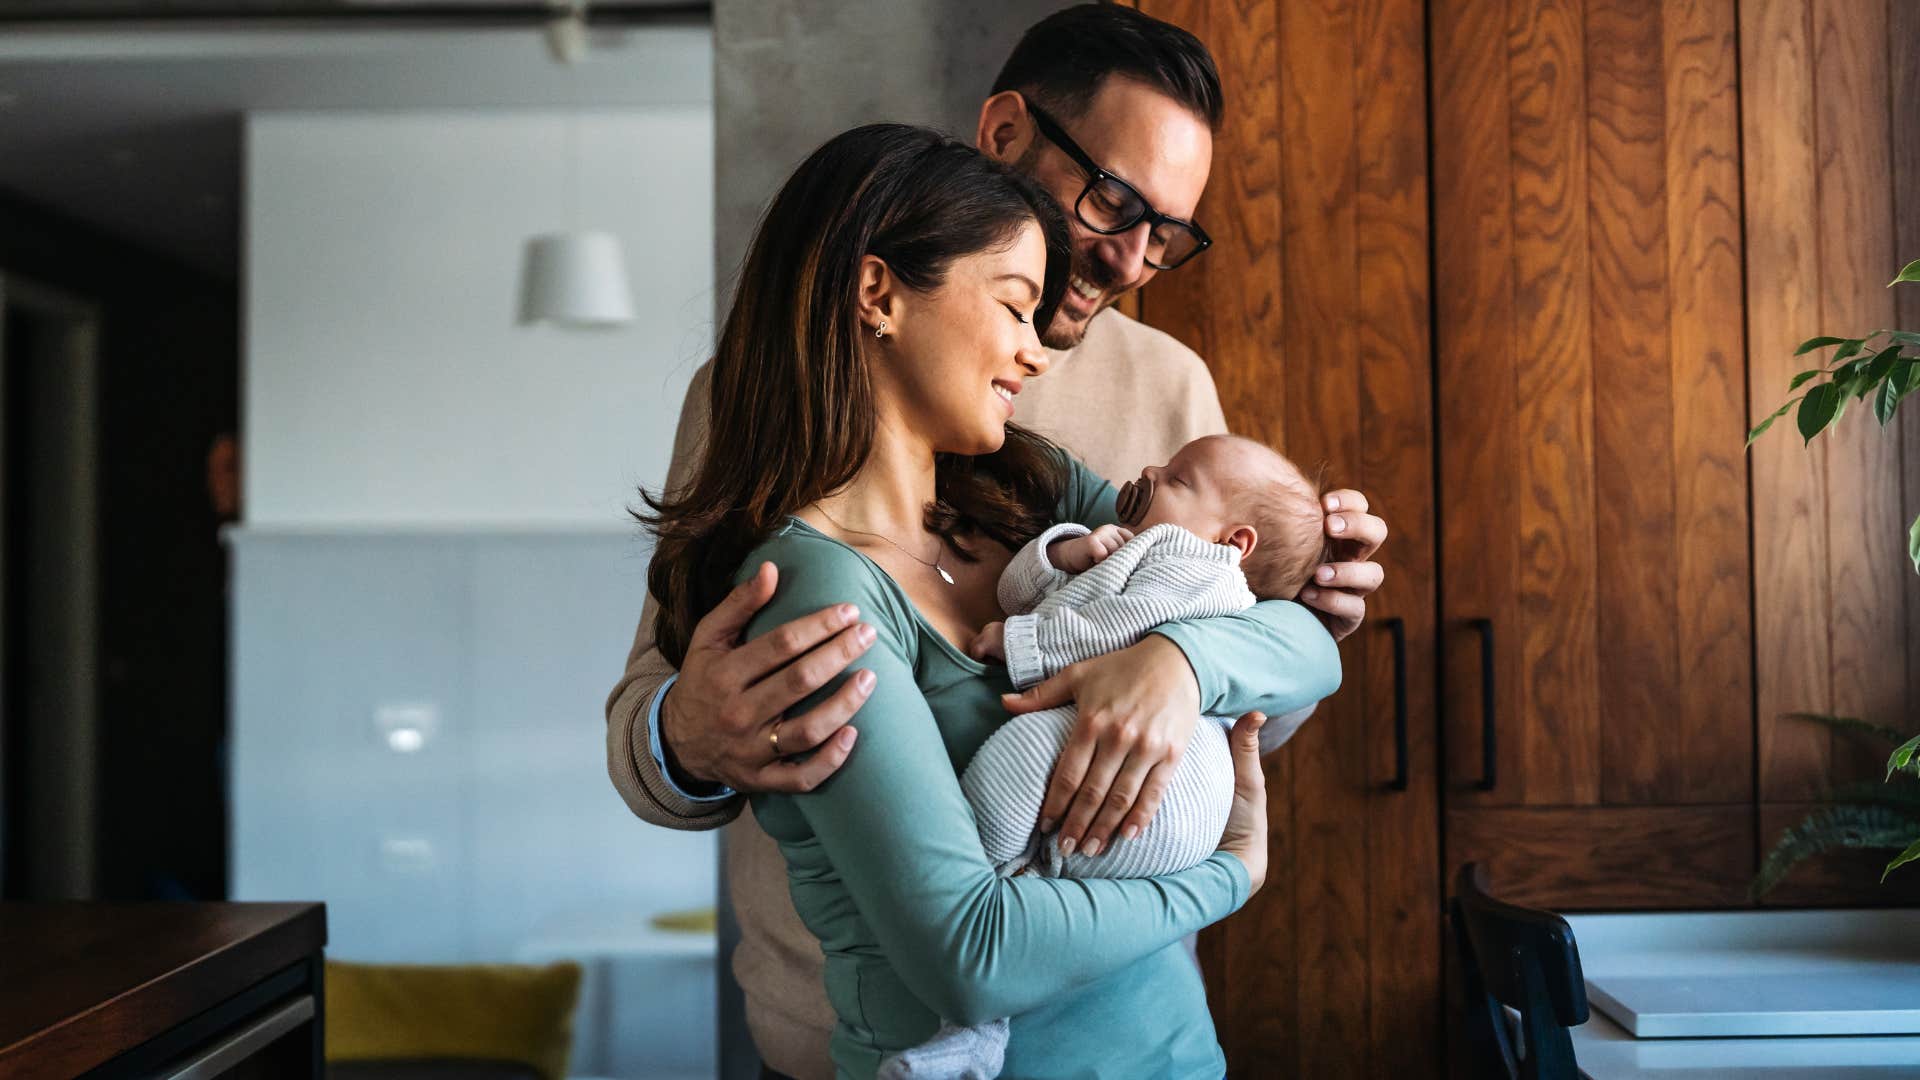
column 1283, row 504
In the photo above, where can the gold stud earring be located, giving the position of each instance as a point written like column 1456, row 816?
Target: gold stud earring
column 881, row 330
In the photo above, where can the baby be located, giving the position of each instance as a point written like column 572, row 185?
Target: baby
column 1225, row 522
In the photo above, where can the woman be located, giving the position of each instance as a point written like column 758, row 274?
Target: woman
column 887, row 315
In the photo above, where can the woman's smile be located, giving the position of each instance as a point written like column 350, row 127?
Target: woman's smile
column 1004, row 389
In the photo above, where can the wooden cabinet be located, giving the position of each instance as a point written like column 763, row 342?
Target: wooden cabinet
column 1593, row 481
column 1525, row 272
column 1314, row 315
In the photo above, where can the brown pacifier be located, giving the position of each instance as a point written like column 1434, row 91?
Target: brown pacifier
column 1135, row 496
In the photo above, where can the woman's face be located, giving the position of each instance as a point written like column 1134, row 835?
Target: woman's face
column 955, row 358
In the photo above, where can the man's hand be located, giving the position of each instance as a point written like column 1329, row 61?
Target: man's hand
column 1080, row 554
column 1138, row 707
column 1338, row 592
column 720, row 716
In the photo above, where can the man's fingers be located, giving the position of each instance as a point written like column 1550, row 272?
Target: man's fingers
column 1360, row 534
column 804, row 732
column 1345, row 499
column 798, row 776
column 774, row 649
column 722, row 627
column 1051, row 694
column 1119, row 803
column 1333, row 602
column 1148, row 804
column 783, row 689
column 1355, row 577
column 1068, row 771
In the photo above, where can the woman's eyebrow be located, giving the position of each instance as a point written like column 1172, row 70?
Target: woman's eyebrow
column 1024, row 280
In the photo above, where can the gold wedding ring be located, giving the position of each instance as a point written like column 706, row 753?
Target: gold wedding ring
column 773, row 736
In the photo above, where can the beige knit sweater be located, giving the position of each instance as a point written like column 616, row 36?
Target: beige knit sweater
column 1126, row 397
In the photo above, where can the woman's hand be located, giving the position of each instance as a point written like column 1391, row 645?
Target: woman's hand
column 1246, row 835
column 1138, row 707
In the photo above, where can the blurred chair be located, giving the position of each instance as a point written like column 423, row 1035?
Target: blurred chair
column 1523, row 959
column 449, row 1021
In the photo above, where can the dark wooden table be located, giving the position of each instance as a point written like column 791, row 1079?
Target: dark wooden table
column 161, row 989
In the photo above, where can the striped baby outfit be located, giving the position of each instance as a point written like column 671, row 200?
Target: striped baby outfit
column 1165, row 574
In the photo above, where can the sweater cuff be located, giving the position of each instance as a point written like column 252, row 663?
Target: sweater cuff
column 660, row 757
column 1024, row 664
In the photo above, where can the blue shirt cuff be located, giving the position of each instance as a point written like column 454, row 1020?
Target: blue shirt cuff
column 660, row 758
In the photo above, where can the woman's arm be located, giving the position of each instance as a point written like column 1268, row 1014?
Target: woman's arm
column 900, row 835
column 1275, row 657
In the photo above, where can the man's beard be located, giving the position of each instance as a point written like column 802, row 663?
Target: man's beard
column 1063, row 335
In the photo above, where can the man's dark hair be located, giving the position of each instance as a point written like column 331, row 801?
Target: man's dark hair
column 1062, row 59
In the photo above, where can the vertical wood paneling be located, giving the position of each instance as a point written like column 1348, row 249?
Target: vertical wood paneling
column 1317, row 149
column 1708, row 756
column 1553, row 345
column 1865, row 536
column 1396, row 465
column 1790, row 540
column 1633, row 403
column 1227, row 306
column 1477, row 411
column 1903, row 62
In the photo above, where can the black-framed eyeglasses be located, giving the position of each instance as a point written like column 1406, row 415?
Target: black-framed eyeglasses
column 1109, row 205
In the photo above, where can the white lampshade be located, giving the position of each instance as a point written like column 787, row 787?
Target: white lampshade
column 575, row 279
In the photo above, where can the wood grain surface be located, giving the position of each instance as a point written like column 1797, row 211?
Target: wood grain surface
column 1609, row 858
column 1312, row 312
column 107, row 977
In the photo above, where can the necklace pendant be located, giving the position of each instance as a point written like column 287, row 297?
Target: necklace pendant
column 944, row 576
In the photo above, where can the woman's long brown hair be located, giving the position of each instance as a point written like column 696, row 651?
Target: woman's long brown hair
column 792, row 411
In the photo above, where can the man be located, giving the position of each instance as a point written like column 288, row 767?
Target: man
column 1113, row 112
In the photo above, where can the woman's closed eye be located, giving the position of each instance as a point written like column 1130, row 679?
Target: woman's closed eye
column 1019, row 316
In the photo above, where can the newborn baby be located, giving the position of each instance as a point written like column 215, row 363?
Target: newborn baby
column 1225, row 522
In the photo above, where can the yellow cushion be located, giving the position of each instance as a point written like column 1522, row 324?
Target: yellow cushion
column 497, row 1012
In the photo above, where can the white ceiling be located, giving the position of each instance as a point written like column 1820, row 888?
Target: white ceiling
column 137, row 130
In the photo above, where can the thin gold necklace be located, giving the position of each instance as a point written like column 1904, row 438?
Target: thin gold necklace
column 934, row 565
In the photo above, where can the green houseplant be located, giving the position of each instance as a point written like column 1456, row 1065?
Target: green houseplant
column 1883, row 366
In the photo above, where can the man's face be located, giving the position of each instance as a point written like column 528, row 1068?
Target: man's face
column 1153, row 143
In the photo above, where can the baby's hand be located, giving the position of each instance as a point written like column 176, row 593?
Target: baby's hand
column 989, row 643
column 1082, row 553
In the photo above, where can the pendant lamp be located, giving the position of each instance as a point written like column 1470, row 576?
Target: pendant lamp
column 575, row 279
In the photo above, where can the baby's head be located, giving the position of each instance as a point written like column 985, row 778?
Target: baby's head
column 1235, row 491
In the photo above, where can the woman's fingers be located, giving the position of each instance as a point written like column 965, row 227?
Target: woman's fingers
column 1356, row 534
column 1128, row 785
column 1246, row 835
column 1068, row 771
column 1247, row 773
column 1148, row 804
column 1106, row 764
column 1354, row 577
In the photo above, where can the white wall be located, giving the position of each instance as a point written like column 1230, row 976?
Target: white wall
column 385, row 381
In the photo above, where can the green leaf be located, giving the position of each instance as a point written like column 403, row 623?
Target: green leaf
column 1848, row 348
column 1886, row 401
column 1902, row 757
column 1913, row 544
column 1768, row 422
column 1801, row 379
column 1831, row 828
column 1910, row 272
column 1907, row 336
column 1851, row 726
column 1811, row 344
column 1905, row 857
column 1822, row 406
column 1875, row 370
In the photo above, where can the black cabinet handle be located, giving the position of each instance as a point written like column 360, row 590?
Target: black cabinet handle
column 1489, row 749
column 1398, row 628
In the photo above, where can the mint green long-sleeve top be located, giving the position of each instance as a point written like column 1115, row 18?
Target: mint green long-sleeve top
column 886, row 867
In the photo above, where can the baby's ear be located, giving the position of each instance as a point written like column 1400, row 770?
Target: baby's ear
column 1243, row 537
